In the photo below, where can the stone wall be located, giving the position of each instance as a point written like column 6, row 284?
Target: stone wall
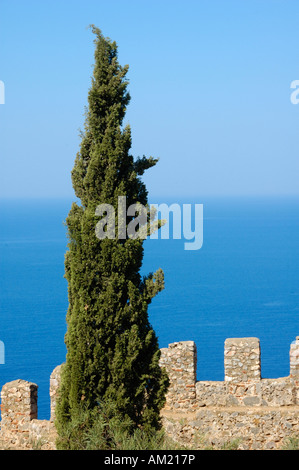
column 242, row 385
column 242, row 360
column 18, row 405
column 54, row 388
column 180, row 361
column 18, row 410
column 261, row 413
column 248, row 428
column 294, row 359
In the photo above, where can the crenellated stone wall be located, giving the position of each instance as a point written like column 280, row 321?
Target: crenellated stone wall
column 242, row 385
column 54, row 388
column 261, row 413
column 294, row 359
column 258, row 413
column 18, row 405
column 242, row 360
column 180, row 361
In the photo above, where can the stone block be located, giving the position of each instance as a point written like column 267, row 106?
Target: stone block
column 242, row 360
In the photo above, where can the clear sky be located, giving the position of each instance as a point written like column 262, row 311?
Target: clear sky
column 210, row 86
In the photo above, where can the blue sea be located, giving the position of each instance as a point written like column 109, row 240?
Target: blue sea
column 244, row 281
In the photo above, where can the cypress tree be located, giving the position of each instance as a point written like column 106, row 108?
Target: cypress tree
column 112, row 350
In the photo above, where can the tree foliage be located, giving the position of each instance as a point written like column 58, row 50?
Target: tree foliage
column 112, row 350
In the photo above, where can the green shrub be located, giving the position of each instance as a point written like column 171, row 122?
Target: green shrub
column 107, row 430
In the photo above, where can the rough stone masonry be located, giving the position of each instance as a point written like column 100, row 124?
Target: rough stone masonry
column 259, row 413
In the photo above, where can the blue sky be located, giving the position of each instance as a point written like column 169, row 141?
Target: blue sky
column 210, row 86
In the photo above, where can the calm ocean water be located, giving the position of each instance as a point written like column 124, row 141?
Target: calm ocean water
column 244, row 281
